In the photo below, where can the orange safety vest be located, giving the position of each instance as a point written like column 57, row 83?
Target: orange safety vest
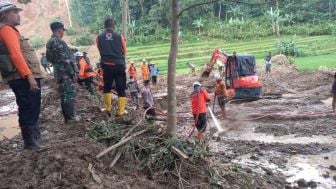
column 145, row 72
column 199, row 100
column 220, row 89
column 132, row 72
column 85, row 70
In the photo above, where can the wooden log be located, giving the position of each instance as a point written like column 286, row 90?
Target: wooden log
column 120, row 143
column 179, row 152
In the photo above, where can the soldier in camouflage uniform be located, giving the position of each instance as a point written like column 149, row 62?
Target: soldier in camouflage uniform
column 59, row 54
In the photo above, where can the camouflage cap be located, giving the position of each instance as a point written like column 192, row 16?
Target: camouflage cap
column 56, row 25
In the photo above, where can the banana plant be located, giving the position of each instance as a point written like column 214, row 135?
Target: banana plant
column 275, row 18
column 198, row 24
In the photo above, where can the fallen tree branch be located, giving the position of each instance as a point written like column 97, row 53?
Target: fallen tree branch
column 120, row 143
column 179, row 152
column 116, row 158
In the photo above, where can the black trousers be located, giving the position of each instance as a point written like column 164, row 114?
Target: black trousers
column 115, row 74
column 88, row 84
column 154, row 80
column 29, row 102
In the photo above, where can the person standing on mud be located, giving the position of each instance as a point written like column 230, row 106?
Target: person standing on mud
column 268, row 63
column 112, row 49
column 192, row 68
column 333, row 91
column 221, row 94
column 58, row 53
column 148, row 100
column 199, row 100
column 154, row 71
column 132, row 70
column 145, row 71
column 132, row 85
column 20, row 68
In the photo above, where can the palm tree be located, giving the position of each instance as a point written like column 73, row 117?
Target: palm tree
column 198, row 24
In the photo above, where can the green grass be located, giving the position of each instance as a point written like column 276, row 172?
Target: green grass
column 314, row 62
column 199, row 53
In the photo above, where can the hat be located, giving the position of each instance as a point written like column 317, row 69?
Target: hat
column 56, row 25
column 132, row 62
column 143, row 60
column 197, row 84
column 5, row 6
column 77, row 54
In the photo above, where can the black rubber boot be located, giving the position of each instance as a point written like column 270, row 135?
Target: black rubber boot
column 37, row 132
column 70, row 117
column 29, row 138
column 68, row 111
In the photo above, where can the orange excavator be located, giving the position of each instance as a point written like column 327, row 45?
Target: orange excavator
column 239, row 74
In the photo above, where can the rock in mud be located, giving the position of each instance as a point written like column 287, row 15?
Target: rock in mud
column 312, row 184
column 332, row 167
column 302, row 183
column 326, row 175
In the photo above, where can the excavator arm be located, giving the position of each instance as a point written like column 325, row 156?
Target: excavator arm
column 217, row 55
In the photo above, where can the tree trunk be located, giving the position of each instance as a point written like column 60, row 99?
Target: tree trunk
column 277, row 26
column 172, row 69
column 124, row 18
column 219, row 11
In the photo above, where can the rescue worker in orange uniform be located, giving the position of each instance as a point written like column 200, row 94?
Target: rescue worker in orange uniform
column 199, row 100
column 221, row 94
column 132, row 71
column 99, row 78
column 20, row 68
column 144, row 70
column 86, row 72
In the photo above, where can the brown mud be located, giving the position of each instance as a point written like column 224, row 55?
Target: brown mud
column 272, row 152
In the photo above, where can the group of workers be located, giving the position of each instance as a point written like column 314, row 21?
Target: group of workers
column 20, row 68
column 148, row 71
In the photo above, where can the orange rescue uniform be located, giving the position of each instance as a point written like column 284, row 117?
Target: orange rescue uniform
column 220, row 89
column 11, row 38
column 85, row 70
column 145, row 72
column 198, row 101
column 132, row 72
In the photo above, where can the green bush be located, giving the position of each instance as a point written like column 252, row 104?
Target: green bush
column 71, row 31
column 288, row 48
column 37, row 42
column 82, row 40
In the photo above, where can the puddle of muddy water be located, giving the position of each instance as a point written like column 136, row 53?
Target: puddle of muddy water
column 312, row 168
column 285, row 139
column 9, row 127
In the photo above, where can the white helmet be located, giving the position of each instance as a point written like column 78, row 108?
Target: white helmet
column 5, row 6
column 196, row 84
column 78, row 54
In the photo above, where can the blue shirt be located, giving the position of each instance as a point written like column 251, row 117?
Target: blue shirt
column 154, row 71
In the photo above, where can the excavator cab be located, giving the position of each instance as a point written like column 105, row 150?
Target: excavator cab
column 241, row 78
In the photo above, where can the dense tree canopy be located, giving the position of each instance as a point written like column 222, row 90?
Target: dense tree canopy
column 150, row 19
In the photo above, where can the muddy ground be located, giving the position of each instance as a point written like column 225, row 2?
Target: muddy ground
column 293, row 146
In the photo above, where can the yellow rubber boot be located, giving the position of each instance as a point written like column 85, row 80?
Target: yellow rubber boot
column 121, row 106
column 108, row 102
